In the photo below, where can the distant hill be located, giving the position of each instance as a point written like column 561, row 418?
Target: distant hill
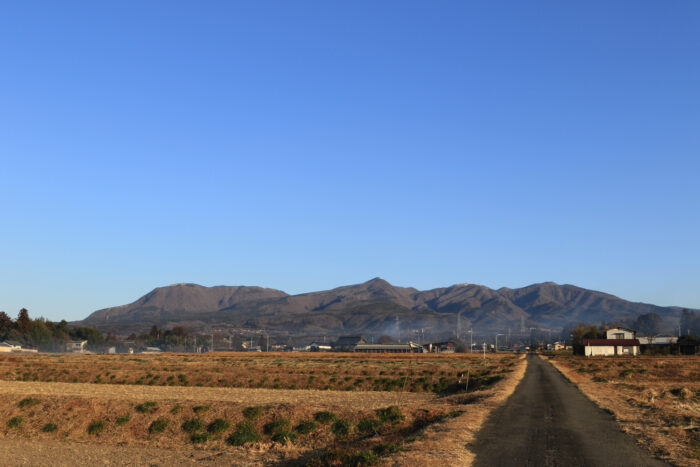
column 371, row 307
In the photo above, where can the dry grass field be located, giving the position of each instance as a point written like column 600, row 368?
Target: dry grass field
column 654, row 398
column 344, row 372
column 246, row 409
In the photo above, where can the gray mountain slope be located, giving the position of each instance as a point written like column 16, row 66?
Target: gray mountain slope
column 372, row 307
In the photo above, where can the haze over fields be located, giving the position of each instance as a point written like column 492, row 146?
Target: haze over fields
column 371, row 307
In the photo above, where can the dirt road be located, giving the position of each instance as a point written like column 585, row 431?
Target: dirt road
column 549, row 422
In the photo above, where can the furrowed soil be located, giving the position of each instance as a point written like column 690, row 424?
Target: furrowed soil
column 186, row 409
column 656, row 399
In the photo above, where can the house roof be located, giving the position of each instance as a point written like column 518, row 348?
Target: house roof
column 608, row 342
column 349, row 340
column 444, row 343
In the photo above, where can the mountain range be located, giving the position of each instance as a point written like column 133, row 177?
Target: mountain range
column 373, row 307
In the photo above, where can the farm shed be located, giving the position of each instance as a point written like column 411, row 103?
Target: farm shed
column 610, row 347
column 9, row 347
column 389, row 348
column 440, row 347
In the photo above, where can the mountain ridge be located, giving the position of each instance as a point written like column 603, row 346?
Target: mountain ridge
column 371, row 307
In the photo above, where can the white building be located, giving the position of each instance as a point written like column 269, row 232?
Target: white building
column 76, row 346
column 619, row 341
column 620, row 333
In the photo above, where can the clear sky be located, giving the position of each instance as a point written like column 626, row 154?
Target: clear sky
column 307, row 145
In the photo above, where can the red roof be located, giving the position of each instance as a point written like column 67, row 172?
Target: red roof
column 594, row 342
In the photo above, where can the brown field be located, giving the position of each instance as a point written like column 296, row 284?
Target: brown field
column 103, row 410
column 344, row 372
column 654, row 398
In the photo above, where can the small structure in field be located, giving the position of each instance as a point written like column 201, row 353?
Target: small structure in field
column 440, row 347
column 151, row 350
column 316, row 347
column 76, row 346
column 411, row 347
column 348, row 343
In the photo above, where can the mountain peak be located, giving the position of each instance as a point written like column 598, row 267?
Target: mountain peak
column 378, row 281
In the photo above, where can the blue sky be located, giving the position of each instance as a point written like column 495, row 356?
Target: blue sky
column 307, row 145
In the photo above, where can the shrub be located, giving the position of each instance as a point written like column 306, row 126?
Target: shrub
column 363, row 458
column 197, row 438
column 96, row 427
column 201, row 408
column 325, row 417
column 386, row 448
column 15, row 422
column 277, row 425
column 283, row 437
column 251, row 413
column 391, row 414
column 193, row 425
column 369, row 426
column 123, row 419
column 49, row 428
column 341, row 428
column 218, row 426
column 305, row 427
column 158, row 426
column 177, row 408
column 147, row 407
column 245, row 433
column 28, row 402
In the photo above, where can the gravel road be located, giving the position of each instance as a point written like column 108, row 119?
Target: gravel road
column 549, row 422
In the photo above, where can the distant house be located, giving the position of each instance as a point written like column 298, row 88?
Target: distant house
column 440, row 347
column 348, row 343
column 76, row 346
column 411, row 347
column 10, row 346
column 556, row 346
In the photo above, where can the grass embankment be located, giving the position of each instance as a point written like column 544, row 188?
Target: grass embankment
column 656, row 399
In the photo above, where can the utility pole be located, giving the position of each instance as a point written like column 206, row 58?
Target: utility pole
column 484, row 346
column 497, row 341
column 471, row 345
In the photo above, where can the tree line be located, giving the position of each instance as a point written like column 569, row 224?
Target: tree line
column 45, row 335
